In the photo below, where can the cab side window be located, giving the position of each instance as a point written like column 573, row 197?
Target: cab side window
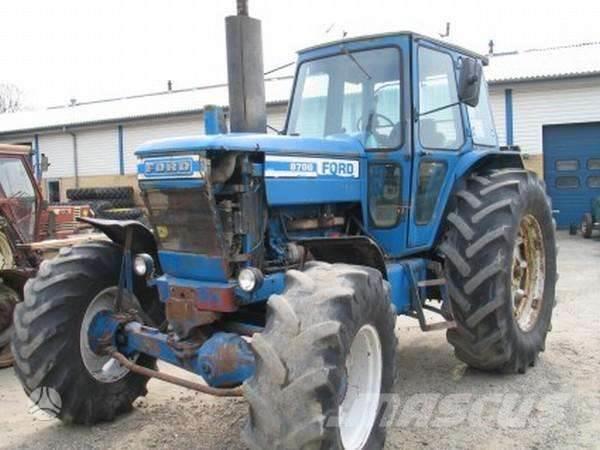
column 482, row 122
column 440, row 125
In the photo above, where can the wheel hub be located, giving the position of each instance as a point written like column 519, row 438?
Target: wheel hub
column 528, row 273
column 101, row 366
column 358, row 410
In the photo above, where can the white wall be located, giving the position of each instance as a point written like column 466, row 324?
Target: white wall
column 135, row 134
column 58, row 147
column 276, row 117
column 536, row 104
column 98, row 151
column 498, row 111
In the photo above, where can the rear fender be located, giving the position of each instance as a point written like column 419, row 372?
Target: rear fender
column 478, row 161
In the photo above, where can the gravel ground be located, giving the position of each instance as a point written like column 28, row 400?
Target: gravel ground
column 437, row 401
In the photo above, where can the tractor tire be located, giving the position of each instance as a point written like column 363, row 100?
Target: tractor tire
column 500, row 265
column 100, row 205
column 587, row 226
column 122, row 214
column 97, row 206
column 49, row 343
column 122, row 192
column 573, row 229
column 120, row 202
column 8, row 301
column 303, row 370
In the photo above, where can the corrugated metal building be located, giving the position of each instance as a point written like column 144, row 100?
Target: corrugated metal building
column 546, row 101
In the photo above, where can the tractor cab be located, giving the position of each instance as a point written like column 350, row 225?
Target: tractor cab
column 416, row 105
column 20, row 197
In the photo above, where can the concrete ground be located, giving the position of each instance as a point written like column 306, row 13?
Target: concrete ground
column 437, row 401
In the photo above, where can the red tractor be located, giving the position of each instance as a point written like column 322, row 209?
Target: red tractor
column 25, row 220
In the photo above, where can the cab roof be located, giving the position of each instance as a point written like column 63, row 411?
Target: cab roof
column 15, row 149
column 412, row 34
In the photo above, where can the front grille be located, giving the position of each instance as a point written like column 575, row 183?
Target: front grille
column 185, row 220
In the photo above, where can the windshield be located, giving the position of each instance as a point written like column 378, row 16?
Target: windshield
column 17, row 196
column 351, row 94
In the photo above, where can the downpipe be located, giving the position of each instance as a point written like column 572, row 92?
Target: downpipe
column 75, row 155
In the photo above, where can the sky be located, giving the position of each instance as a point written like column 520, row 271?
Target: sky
column 56, row 50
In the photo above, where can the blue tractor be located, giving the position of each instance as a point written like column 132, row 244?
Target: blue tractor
column 276, row 264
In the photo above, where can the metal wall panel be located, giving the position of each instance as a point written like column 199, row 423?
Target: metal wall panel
column 98, row 151
column 135, row 134
column 58, row 147
column 498, row 111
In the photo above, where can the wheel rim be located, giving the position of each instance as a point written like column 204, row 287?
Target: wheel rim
column 7, row 260
column 528, row 273
column 358, row 410
column 103, row 368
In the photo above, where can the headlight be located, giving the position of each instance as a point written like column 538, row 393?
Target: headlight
column 143, row 265
column 250, row 279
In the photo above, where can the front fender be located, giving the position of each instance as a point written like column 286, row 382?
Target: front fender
column 116, row 230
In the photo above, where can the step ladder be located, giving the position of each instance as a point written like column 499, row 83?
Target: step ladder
column 418, row 303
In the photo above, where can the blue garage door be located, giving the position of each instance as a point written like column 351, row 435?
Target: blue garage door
column 572, row 169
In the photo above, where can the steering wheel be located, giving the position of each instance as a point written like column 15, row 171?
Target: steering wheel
column 380, row 138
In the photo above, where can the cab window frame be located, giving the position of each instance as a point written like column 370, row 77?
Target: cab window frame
column 401, row 80
column 460, row 106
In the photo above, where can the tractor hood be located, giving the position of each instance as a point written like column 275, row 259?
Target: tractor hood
column 339, row 146
column 292, row 164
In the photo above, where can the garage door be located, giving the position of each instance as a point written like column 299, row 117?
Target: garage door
column 572, row 169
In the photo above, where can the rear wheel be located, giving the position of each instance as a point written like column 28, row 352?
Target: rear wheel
column 51, row 344
column 118, row 192
column 326, row 355
column 500, row 262
column 122, row 213
column 573, row 229
column 587, row 225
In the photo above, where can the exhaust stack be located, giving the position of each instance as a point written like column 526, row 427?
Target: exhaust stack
column 245, row 72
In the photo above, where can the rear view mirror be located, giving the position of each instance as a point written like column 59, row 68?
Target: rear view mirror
column 469, row 81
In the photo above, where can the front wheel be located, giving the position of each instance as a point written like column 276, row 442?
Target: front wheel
column 51, row 344
column 325, row 357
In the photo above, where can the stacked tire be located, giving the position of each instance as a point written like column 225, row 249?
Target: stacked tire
column 114, row 203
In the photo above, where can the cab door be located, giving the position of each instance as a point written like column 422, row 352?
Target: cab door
column 438, row 138
column 387, row 189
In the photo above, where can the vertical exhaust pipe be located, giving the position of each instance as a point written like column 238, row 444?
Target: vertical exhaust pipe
column 245, row 72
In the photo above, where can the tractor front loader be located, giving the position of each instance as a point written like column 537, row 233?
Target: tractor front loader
column 277, row 264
